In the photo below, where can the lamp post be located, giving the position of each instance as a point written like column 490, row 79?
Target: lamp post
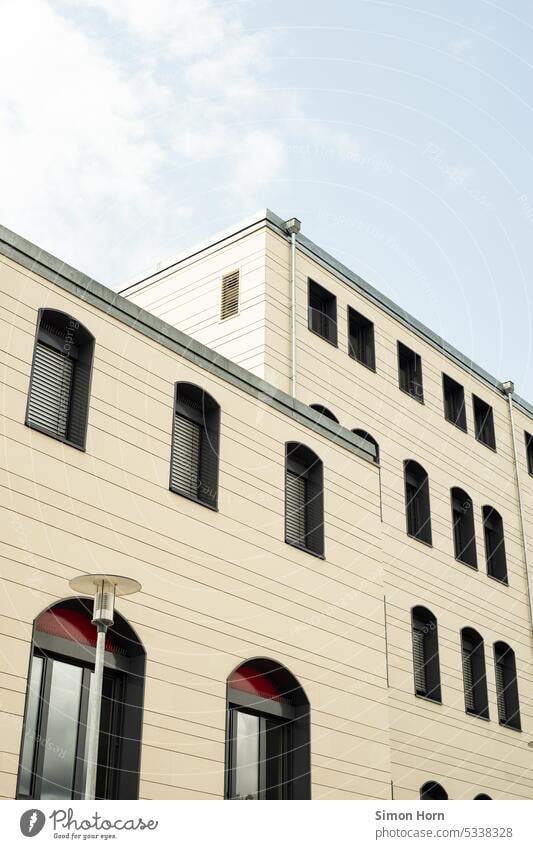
column 104, row 588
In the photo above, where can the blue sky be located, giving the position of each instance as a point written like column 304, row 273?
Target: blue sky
column 399, row 133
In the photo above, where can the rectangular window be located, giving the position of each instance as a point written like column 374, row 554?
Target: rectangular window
column 529, row 451
column 322, row 312
column 230, row 295
column 410, row 372
column 419, row 660
column 454, row 402
column 361, row 339
column 484, row 422
column 296, row 514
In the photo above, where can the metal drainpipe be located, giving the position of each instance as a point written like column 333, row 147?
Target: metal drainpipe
column 508, row 388
column 293, row 228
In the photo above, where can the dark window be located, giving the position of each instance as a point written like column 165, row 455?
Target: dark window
column 425, row 654
column 474, row 674
column 529, row 451
column 322, row 312
column 229, row 305
column 494, row 544
column 417, row 501
column 484, row 422
column 410, row 372
column 482, row 796
column 506, row 686
column 433, row 791
column 324, row 411
column 195, row 441
column 304, row 498
column 464, row 534
column 267, row 753
column 454, row 402
column 58, row 397
column 370, row 443
column 52, row 760
column 361, row 339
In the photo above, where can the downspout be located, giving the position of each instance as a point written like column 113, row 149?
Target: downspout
column 508, row 388
column 293, row 228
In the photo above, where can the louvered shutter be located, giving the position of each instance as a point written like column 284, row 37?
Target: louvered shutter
column 419, row 661
column 295, row 509
column 185, row 464
column 208, row 482
column 500, row 692
column 468, row 678
column 230, row 295
column 50, row 390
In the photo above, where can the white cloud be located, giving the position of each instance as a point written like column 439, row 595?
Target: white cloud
column 119, row 119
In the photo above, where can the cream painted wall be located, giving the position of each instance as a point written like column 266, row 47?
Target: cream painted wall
column 218, row 587
column 440, row 742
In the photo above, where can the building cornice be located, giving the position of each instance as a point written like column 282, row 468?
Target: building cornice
column 44, row 264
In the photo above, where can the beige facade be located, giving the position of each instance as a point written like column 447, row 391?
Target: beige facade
column 223, row 586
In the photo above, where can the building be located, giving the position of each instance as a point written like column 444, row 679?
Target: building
column 327, row 508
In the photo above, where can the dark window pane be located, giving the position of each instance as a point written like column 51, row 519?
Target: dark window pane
column 484, row 422
column 454, row 402
column 27, row 762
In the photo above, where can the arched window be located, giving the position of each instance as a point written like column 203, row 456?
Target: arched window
column 52, row 761
column 425, row 654
column 195, row 445
column 267, row 750
column 417, row 501
column 304, row 498
column 324, row 411
column 370, row 443
column 58, row 397
column 482, row 796
column 464, row 533
column 506, row 686
column 494, row 544
column 474, row 673
column 433, row 791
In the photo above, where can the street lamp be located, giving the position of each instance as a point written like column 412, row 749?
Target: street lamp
column 104, row 588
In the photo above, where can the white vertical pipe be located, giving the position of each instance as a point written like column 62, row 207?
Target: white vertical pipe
column 293, row 313
column 93, row 718
column 508, row 388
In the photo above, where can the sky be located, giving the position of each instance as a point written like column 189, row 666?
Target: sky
column 400, row 133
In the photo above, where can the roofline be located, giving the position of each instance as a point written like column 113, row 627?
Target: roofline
column 268, row 218
column 40, row 262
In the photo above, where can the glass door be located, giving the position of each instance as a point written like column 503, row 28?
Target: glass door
column 259, row 767
column 53, row 751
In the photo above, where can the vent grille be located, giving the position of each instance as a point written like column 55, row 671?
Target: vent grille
column 470, row 702
column 185, row 466
column 50, row 390
column 419, row 660
column 295, row 509
column 230, row 295
column 500, row 693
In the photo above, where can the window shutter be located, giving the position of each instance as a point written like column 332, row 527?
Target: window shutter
column 50, row 390
column 185, row 465
column 208, row 481
column 79, row 403
column 500, row 692
column 419, row 659
column 295, row 509
column 470, row 702
column 230, row 295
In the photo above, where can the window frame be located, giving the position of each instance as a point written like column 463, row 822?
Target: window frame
column 302, row 461
column 425, row 622
column 479, row 406
column 529, row 452
column 209, row 432
column 423, row 498
column 366, row 326
column 509, row 657
column 314, row 288
column 455, row 493
column 450, row 385
column 499, row 549
column 87, row 351
column 475, row 656
column 415, row 376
